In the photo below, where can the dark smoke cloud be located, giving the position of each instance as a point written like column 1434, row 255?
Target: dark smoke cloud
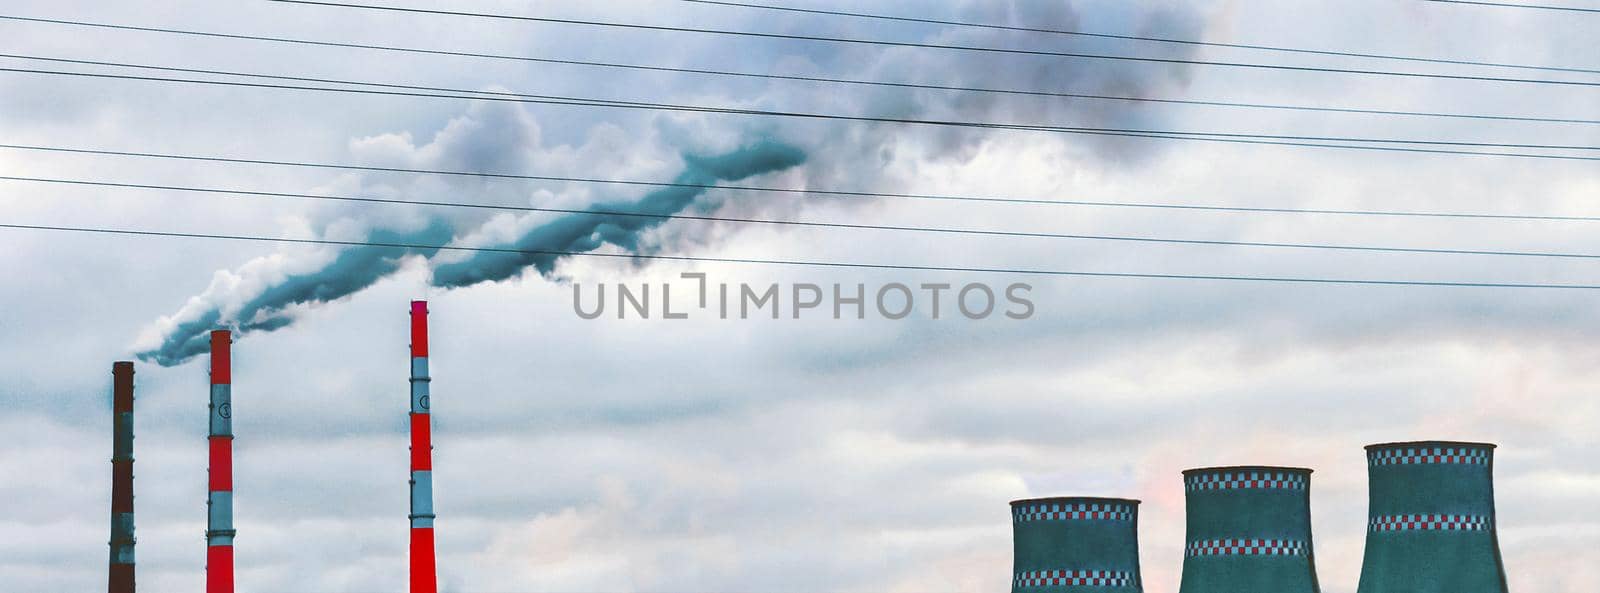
column 586, row 232
column 353, row 269
column 877, row 156
column 858, row 156
column 357, row 268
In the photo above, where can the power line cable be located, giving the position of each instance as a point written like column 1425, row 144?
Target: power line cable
column 1511, row 5
column 1190, row 42
column 805, row 263
column 804, row 223
column 739, row 74
column 800, row 192
column 966, row 48
column 699, row 108
column 1388, row 144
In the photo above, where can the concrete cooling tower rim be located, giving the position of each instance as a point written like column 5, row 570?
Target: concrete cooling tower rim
column 1431, row 444
column 1073, row 499
column 1246, row 468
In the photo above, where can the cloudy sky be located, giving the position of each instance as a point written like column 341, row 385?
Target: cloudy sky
column 807, row 454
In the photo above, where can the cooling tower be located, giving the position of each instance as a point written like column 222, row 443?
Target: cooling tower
column 120, row 576
column 423, row 578
column 219, row 488
column 1248, row 531
column 1431, row 525
column 1075, row 544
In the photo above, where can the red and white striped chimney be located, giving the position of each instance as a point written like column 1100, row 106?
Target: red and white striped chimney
column 219, row 491
column 423, row 577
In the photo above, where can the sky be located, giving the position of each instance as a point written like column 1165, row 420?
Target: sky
column 787, row 454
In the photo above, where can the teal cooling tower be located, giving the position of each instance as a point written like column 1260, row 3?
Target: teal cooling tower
column 1431, row 523
column 1248, row 531
column 1075, row 544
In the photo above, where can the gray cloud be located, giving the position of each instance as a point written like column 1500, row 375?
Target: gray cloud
column 700, row 455
column 499, row 141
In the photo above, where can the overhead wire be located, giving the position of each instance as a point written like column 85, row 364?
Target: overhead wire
column 468, row 94
column 796, row 191
column 1383, row 144
column 1514, row 5
column 758, row 75
column 611, row 211
column 804, row 263
column 940, row 46
column 478, row 95
column 1147, row 38
column 917, row 86
column 734, row 110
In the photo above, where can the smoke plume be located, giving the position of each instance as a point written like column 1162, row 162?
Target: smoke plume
column 266, row 293
column 619, row 224
column 350, row 270
column 261, row 297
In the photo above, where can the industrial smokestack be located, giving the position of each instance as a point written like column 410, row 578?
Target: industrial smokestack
column 1075, row 542
column 1248, row 531
column 423, row 577
column 1431, row 525
column 219, row 491
column 120, row 576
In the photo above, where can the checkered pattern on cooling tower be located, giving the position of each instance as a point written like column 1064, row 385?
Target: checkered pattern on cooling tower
column 1245, row 479
column 1073, row 578
column 1434, row 522
column 1429, row 455
column 1245, row 547
column 1071, row 511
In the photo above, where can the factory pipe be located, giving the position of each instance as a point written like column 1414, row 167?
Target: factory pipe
column 423, row 577
column 219, row 490
column 1075, row 544
column 1431, row 519
column 120, row 576
column 1248, row 530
